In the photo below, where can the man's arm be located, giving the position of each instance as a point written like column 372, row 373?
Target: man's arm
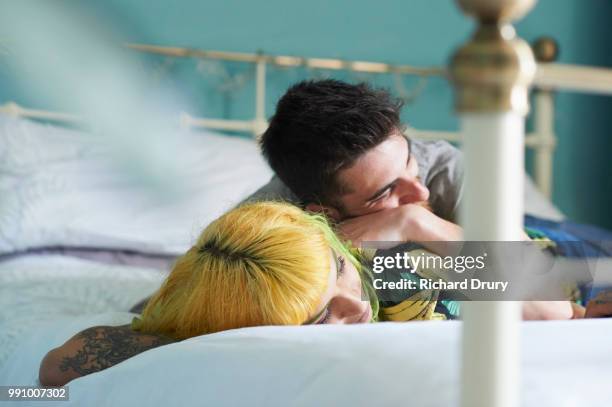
column 406, row 223
column 93, row 350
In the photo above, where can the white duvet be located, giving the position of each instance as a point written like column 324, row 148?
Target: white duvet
column 45, row 300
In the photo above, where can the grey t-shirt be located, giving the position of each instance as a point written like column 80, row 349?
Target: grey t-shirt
column 440, row 169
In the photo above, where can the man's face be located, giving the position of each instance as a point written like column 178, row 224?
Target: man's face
column 385, row 177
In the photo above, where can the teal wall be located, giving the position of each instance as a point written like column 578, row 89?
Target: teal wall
column 419, row 32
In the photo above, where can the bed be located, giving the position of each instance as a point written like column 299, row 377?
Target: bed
column 64, row 267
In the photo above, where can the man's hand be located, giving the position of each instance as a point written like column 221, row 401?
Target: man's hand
column 549, row 310
column 406, row 223
column 600, row 306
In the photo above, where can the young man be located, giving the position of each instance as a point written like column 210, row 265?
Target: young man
column 340, row 148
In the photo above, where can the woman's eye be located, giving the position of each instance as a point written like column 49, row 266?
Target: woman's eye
column 341, row 264
column 326, row 318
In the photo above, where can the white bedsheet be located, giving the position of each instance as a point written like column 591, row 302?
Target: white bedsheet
column 38, row 290
column 46, row 300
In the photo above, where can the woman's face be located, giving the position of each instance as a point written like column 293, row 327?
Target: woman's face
column 343, row 302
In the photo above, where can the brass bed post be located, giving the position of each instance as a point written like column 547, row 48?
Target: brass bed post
column 491, row 74
column 546, row 50
column 259, row 122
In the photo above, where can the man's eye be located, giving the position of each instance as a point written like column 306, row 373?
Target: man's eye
column 385, row 195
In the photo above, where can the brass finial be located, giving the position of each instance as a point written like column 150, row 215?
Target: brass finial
column 496, row 11
column 545, row 49
column 493, row 71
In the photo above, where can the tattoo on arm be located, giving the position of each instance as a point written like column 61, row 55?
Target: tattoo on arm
column 105, row 346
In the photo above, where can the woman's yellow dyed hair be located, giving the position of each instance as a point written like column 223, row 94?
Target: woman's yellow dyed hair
column 264, row 263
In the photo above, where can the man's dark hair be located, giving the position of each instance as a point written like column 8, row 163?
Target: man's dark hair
column 321, row 127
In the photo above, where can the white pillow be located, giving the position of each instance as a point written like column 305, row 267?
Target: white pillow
column 58, row 187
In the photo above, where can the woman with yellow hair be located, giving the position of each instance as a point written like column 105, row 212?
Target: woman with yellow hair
column 260, row 264
column 263, row 263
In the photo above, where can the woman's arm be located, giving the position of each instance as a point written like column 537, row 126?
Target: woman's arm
column 92, row 350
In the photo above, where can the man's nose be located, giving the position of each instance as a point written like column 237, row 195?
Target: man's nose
column 412, row 191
